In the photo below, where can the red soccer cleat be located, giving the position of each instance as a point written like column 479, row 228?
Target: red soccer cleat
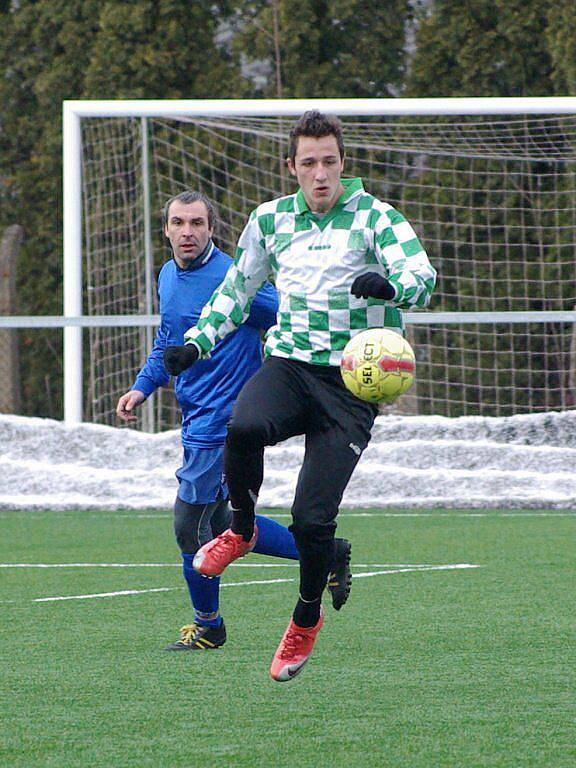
column 213, row 557
column 294, row 650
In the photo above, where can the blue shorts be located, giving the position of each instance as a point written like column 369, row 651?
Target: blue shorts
column 201, row 475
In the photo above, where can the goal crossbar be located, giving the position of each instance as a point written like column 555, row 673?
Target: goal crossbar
column 411, row 318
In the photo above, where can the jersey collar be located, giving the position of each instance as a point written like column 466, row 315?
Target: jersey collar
column 351, row 188
column 201, row 259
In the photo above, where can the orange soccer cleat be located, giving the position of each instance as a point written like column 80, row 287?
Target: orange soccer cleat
column 216, row 555
column 294, row 650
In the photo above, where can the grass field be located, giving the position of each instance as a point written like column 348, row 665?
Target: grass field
column 422, row 668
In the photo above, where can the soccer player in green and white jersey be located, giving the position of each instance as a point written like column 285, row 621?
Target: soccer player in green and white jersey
column 342, row 261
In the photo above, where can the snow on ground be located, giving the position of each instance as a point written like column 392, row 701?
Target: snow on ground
column 412, row 461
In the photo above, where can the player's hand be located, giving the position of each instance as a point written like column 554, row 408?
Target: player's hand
column 373, row 285
column 127, row 404
column 177, row 359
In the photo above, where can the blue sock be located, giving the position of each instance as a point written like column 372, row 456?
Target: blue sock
column 274, row 539
column 204, row 594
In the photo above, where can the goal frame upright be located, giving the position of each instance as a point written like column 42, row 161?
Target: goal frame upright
column 75, row 110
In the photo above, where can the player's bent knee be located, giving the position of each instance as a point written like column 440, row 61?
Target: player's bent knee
column 244, row 436
column 186, row 526
column 311, row 535
column 186, row 538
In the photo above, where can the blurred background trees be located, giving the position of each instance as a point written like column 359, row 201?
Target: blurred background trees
column 51, row 50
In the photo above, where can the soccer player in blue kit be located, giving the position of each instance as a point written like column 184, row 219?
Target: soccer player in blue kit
column 206, row 394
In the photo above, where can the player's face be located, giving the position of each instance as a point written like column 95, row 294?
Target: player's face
column 188, row 230
column 318, row 168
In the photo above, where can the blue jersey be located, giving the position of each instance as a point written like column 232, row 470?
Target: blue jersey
column 207, row 391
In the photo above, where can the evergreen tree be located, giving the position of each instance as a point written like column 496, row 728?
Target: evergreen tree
column 43, row 54
column 481, row 48
column 51, row 50
column 500, row 48
column 325, row 48
column 160, row 49
column 561, row 39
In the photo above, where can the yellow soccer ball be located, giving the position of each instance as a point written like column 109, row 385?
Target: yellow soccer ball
column 378, row 365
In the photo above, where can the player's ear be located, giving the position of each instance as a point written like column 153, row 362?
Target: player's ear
column 290, row 165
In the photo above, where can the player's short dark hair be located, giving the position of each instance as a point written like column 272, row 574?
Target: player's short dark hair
column 188, row 197
column 317, row 125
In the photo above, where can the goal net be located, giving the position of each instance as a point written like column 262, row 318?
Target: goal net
column 493, row 200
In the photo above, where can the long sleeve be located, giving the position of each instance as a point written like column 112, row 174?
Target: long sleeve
column 264, row 308
column 230, row 304
column 153, row 373
column 400, row 252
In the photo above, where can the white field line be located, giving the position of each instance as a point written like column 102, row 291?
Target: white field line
column 284, row 515
column 233, row 565
column 120, row 593
column 494, row 515
column 126, row 592
column 419, row 568
column 138, row 565
column 144, row 591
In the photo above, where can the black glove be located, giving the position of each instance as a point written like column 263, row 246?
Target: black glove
column 374, row 285
column 177, row 359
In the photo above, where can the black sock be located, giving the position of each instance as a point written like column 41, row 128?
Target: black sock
column 244, row 473
column 307, row 613
column 316, row 559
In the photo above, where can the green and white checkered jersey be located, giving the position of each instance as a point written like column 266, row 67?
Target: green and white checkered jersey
column 313, row 261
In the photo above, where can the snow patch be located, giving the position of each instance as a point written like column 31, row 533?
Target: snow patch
column 412, row 461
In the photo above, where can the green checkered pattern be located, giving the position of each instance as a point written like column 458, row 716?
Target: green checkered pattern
column 313, row 262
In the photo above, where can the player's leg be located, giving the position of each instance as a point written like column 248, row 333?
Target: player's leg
column 321, row 483
column 273, row 539
column 192, row 529
column 334, row 443
column 207, row 631
column 199, row 503
column 270, row 408
column 194, row 525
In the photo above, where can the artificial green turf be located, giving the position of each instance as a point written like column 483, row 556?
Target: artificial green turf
column 419, row 670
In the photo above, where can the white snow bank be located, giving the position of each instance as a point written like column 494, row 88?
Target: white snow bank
column 519, row 461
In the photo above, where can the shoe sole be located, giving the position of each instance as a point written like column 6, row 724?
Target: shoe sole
column 338, row 600
column 193, row 648
column 176, row 647
column 289, row 673
column 200, row 644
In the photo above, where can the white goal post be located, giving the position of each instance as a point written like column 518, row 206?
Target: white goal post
column 75, row 111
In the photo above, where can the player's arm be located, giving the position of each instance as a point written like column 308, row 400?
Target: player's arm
column 264, row 308
column 152, row 375
column 230, row 304
column 410, row 278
